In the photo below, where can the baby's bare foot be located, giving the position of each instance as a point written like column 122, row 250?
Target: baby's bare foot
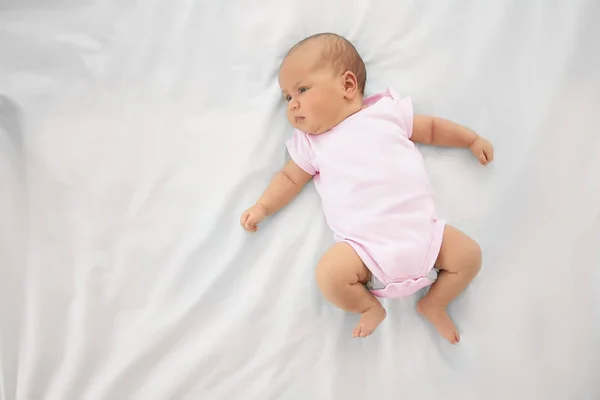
column 439, row 318
column 369, row 320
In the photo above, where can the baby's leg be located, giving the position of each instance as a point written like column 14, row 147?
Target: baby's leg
column 340, row 276
column 459, row 261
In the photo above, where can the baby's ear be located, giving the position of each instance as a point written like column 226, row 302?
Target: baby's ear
column 349, row 84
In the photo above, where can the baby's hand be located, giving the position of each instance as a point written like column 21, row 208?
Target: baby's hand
column 252, row 217
column 483, row 150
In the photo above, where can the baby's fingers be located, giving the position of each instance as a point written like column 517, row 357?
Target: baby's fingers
column 244, row 218
column 489, row 154
column 251, row 223
column 482, row 158
column 248, row 222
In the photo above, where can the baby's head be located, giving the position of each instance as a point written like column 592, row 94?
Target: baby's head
column 323, row 80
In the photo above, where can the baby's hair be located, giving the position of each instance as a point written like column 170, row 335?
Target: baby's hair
column 341, row 54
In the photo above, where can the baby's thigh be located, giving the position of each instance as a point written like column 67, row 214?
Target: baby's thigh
column 458, row 251
column 341, row 263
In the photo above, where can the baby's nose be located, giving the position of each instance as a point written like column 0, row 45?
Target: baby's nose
column 293, row 105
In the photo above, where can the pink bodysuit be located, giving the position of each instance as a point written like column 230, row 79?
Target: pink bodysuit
column 375, row 192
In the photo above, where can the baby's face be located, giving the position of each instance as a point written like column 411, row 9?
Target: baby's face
column 314, row 94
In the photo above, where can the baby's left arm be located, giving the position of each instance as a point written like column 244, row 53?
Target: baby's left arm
column 440, row 132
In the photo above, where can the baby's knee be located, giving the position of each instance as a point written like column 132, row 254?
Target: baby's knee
column 326, row 276
column 331, row 276
column 327, row 283
column 475, row 256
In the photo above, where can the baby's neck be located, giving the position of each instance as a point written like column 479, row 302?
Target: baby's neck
column 353, row 107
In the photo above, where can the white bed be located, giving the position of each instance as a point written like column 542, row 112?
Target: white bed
column 133, row 134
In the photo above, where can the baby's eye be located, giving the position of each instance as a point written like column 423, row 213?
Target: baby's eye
column 288, row 98
column 302, row 90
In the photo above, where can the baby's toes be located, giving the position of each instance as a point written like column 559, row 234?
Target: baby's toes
column 357, row 331
column 456, row 337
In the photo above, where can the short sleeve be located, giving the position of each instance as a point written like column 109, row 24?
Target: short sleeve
column 300, row 152
column 404, row 108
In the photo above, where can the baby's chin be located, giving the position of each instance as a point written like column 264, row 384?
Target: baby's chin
column 310, row 129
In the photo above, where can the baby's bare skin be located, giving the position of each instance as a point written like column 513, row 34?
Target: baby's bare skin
column 320, row 97
column 341, row 276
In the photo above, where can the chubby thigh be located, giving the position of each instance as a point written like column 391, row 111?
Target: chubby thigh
column 341, row 262
column 341, row 276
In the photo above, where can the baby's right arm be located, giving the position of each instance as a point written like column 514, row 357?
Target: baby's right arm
column 284, row 186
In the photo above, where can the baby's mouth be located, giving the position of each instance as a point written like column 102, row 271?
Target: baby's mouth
column 299, row 119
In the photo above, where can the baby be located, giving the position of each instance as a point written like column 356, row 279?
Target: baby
column 373, row 186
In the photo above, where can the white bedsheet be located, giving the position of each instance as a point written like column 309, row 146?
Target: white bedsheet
column 133, row 134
